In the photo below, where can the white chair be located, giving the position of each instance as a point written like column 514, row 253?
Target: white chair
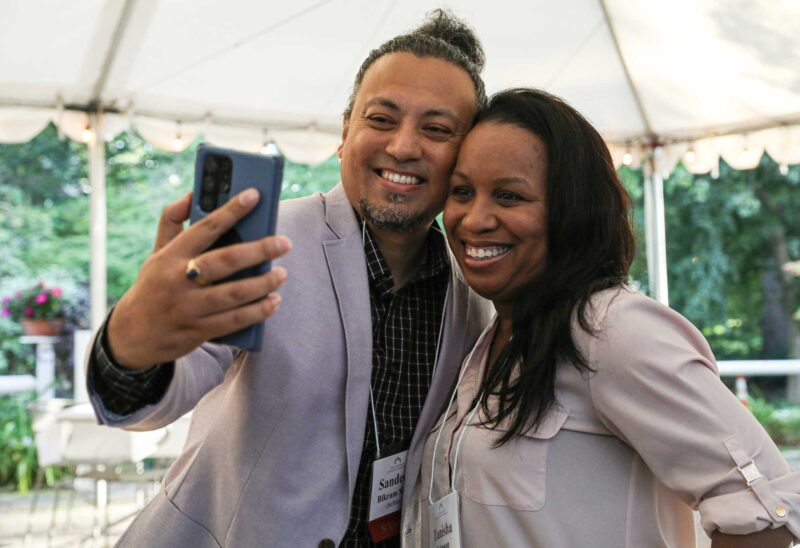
column 105, row 454
column 69, row 435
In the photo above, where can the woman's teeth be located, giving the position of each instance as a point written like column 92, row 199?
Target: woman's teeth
column 486, row 252
column 402, row 179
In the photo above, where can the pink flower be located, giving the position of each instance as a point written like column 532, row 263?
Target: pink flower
column 6, row 312
column 41, row 298
column 56, row 291
column 6, row 300
column 28, row 311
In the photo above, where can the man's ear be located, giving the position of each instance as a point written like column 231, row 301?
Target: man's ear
column 345, row 127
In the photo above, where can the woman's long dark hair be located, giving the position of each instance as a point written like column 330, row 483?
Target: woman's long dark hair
column 589, row 248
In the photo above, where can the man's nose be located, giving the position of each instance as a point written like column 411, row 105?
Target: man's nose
column 405, row 144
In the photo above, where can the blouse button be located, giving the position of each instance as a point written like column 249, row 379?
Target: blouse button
column 780, row 511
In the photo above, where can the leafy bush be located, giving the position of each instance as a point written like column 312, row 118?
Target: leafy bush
column 781, row 423
column 18, row 459
column 17, row 449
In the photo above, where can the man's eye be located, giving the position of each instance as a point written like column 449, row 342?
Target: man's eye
column 379, row 120
column 439, row 131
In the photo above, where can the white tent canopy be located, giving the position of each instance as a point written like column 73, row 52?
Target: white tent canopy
column 687, row 79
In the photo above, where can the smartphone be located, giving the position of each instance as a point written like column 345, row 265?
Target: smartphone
column 219, row 174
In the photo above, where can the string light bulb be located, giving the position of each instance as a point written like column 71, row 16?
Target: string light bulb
column 270, row 149
column 627, row 158
column 177, row 143
column 87, row 135
column 690, row 156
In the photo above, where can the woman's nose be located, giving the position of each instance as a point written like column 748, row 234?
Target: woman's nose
column 479, row 216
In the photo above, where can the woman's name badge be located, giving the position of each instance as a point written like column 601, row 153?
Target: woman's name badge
column 386, row 496
column 445, row 526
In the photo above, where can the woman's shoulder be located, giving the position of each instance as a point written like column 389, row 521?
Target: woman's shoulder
column 609, row 304
column 627, row 322
column 626, row 306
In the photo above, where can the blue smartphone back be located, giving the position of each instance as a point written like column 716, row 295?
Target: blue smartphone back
column 249, row 170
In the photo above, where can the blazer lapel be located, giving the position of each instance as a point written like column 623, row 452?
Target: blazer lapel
column 348, row 270
column 464, row 319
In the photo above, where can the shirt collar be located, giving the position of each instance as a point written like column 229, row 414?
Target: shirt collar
column 435, row 263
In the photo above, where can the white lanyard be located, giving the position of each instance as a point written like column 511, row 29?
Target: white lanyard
column 463, row 431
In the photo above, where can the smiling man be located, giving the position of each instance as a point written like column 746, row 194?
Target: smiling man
column 307, row 443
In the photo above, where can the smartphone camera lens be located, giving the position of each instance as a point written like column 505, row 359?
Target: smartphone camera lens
column 208, row 183
column 207, row 202
column 217, row 176
column 225, row 179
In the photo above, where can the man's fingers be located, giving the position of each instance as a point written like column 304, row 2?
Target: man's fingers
column 227, row 296
column 171, row 222
column 205, row 232
column 241, row 317
column 220, row 263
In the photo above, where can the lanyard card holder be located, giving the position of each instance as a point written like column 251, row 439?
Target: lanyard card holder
column 386, row 494
column 445, row 524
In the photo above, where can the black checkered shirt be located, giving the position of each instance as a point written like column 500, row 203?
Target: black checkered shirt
column 405, row 333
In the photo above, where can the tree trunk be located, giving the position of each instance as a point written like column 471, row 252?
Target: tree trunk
column 780, row 332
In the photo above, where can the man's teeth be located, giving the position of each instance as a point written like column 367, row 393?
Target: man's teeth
column 486, row 252
column 402, row 179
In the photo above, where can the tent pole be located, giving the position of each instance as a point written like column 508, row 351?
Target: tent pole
column 655, row 231
column 97, row 216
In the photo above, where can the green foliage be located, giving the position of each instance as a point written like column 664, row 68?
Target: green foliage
column 781, row 423
column 632, row 180
column 15, row 358
column 18, row 460
column 302, row 180
column 723, row 237
column 17, row 450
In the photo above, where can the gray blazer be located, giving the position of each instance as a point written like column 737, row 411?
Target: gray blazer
column 276, row 436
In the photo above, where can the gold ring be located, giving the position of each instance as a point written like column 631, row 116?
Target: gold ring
column 193, row 273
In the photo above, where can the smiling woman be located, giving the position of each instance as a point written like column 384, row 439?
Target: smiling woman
column 496, row 213
column 587, row 414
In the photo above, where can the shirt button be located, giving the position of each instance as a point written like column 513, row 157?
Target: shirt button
column 326, row 543
column 780, row 511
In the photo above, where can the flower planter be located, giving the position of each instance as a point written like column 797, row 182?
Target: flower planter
column 43, row 328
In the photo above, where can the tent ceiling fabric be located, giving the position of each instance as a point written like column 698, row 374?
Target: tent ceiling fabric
column 714, row 77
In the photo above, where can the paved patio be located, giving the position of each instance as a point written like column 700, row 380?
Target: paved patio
column 68, row 517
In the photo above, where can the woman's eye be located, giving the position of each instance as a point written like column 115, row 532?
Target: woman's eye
column 508, row 196
column 461, row 191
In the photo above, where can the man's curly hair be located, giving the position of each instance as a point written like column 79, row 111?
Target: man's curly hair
column 442, row 36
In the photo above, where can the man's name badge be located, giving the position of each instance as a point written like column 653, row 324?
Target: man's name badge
column 386, row 496
column 445, row 526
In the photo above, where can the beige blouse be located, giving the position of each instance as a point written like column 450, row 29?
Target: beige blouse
column 626, row 454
